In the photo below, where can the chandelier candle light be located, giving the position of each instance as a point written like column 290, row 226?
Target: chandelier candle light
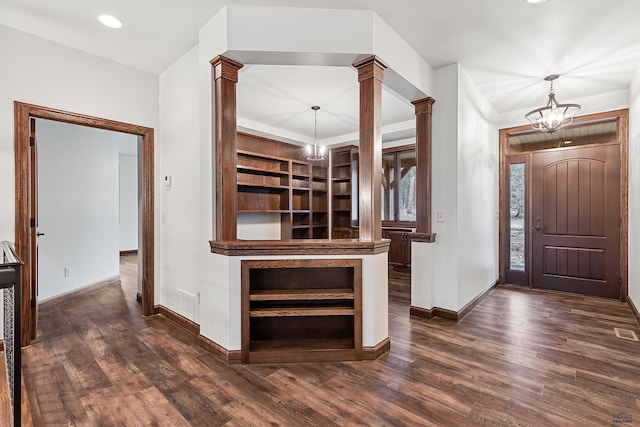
column 315, row 152
column 554, row 115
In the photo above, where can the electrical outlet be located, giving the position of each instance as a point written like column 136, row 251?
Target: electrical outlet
column 440, row 216
column 67, row 271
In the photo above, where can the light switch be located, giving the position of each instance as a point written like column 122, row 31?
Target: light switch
column 440, row 216
column 167, row 180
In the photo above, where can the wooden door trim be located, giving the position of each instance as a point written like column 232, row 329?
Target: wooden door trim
column 22, row 113
column 622, row 117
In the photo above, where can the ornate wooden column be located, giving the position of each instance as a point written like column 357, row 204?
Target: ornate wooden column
column 225, row 74
column 423, row 109
column 370, row 75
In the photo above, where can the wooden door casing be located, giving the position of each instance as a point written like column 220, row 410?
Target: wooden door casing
column 575, row 220
column 24, row 192
column 33, row 226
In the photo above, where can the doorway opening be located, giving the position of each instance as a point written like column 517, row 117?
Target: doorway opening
column 26, row 201
column 563, row 206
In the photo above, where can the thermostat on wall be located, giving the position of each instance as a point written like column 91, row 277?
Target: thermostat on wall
column 167, row 180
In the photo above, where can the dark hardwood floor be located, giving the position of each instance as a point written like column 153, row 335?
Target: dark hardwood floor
column 519, row 358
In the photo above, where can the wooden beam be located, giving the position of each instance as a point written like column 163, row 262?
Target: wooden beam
column 225, row 74
column 423, row 108
column 370, row 75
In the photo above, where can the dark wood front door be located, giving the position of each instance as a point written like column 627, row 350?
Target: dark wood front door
column 575, row 220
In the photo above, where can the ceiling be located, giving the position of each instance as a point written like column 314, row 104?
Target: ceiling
column 506, row 47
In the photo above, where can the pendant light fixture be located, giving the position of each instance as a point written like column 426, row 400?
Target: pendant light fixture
column 315, row 153
column 554, row 115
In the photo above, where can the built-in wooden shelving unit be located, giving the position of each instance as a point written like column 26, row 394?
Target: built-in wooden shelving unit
column 343, row 191
column 273, row 178
column 301, row 310
column 319, row 197
column 263, row 183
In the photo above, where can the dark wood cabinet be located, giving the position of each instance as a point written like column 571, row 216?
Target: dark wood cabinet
column 399, row 247
column 301, row 310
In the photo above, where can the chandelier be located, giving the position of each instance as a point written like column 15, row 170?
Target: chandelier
column 554, row 115
column 315, row 152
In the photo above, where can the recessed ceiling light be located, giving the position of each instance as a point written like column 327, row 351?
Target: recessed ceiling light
column 110, row 21
column 536, row 1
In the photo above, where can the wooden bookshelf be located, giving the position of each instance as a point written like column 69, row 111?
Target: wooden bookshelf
column 273, row 178
column 319, row 202
column 301, row 310
column 263, row 182
column 343, row 191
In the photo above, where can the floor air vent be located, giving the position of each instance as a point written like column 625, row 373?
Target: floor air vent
column 625, row 334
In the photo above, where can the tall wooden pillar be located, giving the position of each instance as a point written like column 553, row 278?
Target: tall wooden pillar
column 370, row 75
column 225, row 74
column 423, row 109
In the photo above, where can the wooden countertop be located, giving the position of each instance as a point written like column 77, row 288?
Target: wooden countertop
column 299, row 247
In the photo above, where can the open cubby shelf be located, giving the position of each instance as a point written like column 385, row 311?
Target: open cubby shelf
column 301, row 310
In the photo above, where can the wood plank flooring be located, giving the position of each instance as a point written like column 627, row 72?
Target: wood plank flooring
column 519, row 358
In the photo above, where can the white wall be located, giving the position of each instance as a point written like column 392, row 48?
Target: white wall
column 464, row 259
column 182, row 238
column 478, row 173
column 41, row 72
column 128, row 200
column 441, row 289
column 634, row 190
column 77, row 206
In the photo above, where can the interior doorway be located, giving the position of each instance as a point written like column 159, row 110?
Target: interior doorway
column 26, row 201
column 563, row 209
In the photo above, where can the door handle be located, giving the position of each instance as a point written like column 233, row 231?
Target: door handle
column 536, row 227
column 39, row 234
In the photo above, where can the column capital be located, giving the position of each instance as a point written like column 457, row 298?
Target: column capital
column 225, row 68
column 423, row 105
column 371, row 67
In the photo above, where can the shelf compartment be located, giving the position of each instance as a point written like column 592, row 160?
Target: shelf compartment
column 262, row 199
column 320, row 232
column 319, row 172
column 319, row 219
column 262, row 180
column 300, row 233
column 319, row 186
column 261, row 170
column 302, row 294
column 341, row 219
column 282, row 329
column 300, row 219
column 342, row 187
column 300, row 199
column 261, row 162
column 341, row 204
column 319, row 202
column 300, row 169
column 302, row 311
column 300, row 183
column 342, row 157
